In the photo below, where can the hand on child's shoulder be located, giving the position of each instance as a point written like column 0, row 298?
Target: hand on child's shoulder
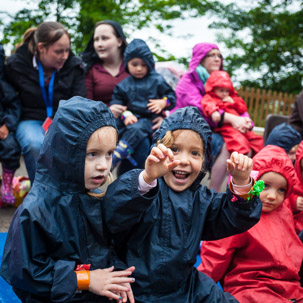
column 239, row 166
column 159, row 162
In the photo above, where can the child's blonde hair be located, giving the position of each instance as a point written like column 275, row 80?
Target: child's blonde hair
column 169, row 139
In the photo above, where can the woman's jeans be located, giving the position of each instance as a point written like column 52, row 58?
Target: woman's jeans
column 30, row 135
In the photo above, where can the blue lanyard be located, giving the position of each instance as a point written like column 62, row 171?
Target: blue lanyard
column 48, row 101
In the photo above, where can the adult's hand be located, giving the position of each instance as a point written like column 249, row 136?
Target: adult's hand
column 242, row 124
column 157, row 122
column 117, row 109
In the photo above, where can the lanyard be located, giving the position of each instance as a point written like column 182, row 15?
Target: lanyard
column 48, row 101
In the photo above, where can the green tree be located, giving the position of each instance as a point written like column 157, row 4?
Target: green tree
column 267, row 39
column 81, row 15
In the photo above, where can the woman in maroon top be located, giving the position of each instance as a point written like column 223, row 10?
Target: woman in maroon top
column 103, row 58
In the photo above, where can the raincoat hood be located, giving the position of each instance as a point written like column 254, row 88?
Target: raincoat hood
column 89, row 55
column 299, row 157
column 285, row 136
column 62, row 157
column 139, row 49
column 219, row 78
column 274, row 159
column 200, row 50
column 191, row 119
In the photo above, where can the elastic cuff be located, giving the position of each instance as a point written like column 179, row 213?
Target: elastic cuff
column 83, row 279
column 220, row 124
column 243, row 196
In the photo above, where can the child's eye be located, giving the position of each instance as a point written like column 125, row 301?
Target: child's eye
column 110, row 153
column 282, row 190
column 91, row 155
column 174, row 149
column 195, row 153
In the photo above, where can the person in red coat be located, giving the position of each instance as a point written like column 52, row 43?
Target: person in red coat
column 263, row 263
column 296, row 198
column 221, row 96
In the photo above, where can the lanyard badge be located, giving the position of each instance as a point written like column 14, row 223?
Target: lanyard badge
column 47, row 100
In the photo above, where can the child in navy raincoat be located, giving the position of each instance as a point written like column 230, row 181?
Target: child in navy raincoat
column 221, row 96
column 145, row 93
column 263, row 263
column 159, row 232
column 57, row 242
column 10, row 111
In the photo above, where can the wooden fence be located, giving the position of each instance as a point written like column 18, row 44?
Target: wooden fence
column 260, row 103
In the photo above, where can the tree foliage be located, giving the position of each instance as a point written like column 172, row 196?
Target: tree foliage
column 80, row 17
column 266, row 39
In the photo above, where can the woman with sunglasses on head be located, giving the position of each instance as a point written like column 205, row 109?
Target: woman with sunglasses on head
column 207, row 58
column 43, row 71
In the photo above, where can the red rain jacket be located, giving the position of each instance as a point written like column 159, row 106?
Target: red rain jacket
column 261, row 264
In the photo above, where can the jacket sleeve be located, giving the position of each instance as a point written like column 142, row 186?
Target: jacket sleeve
column 166, row 90
column 120, row 94
column 227, row 215
column 240, row 104
column 27, row 264
column 11, row 105
column 79, row 88
column 217, row 255
column 124, row 205
column 89, row 83
column 209, row 105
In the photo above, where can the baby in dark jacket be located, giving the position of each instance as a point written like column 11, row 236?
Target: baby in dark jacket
column 145, row 93
column 158, row 225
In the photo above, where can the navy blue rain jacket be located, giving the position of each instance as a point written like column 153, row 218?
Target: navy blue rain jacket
column 59, row 225
column 135, row 93
column 159, row 233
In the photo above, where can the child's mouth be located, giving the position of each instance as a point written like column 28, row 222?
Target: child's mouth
column 179, row 174
column 98, row 179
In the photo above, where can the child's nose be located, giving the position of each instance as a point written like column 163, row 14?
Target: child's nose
column 272, row 194
column 184, row 160
column 102, row 164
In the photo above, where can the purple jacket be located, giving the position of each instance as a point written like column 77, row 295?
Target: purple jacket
column 190, row 89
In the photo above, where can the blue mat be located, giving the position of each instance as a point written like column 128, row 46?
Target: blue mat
column 6, row 293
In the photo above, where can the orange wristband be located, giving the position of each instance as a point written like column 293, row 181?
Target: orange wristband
column 83, row 279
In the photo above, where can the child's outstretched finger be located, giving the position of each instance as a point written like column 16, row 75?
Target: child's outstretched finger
column 173, row 164
column 234, row 157
column 157, row 152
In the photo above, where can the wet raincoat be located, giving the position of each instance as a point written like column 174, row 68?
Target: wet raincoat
column 135, row 94
column 234, row 139
column 261, row 264
column 298, row 190
column 59, row 225
column 160, row 232
column 10, row 112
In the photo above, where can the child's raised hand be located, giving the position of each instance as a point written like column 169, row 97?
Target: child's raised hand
column 239, row 166
column 299, row 203
column 156, row 105
column 158, row 163
column 3, row 132
column 130, row 120
column 109, row 283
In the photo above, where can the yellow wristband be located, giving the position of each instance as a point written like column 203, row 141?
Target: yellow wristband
column 83, row 279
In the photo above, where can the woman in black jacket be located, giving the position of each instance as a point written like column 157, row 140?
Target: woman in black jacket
column 43, row 71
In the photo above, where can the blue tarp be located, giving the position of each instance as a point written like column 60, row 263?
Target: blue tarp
column 6, row 293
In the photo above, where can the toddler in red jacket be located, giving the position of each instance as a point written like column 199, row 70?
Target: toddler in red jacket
column 221, row 96
column 263, row 263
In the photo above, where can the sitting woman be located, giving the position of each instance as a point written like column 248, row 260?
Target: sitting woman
column 207, row 58
column 43, row 71
column 103, row 58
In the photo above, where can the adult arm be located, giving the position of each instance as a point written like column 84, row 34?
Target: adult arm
column 11, row 104
column 89, row 83
column 78, row 87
